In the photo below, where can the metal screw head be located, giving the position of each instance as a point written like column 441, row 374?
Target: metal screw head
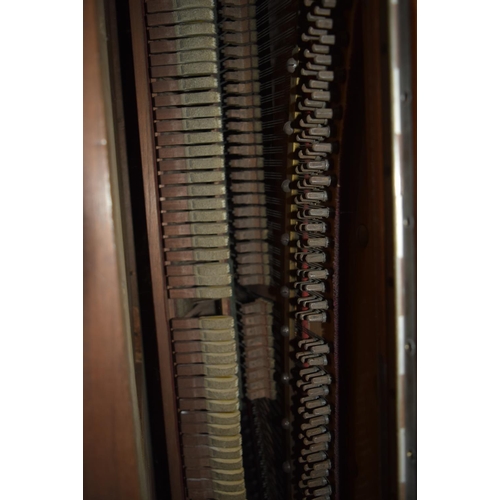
column 285, row 331
column 285, row 186
column 285, row 378
column 285, row 291
column 287, row 128
column 410, row 347
column 285, row 423
column 291, row 65
column 287, row 467
column 285, row 239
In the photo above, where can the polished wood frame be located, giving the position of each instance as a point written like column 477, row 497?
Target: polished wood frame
column 113, row 463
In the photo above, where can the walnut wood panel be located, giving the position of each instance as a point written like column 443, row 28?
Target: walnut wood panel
column 122, row 164
column 113, row 467
column 134, row 312
column 366, row 326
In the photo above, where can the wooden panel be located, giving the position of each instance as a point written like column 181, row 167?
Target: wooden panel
column 120, row 180
column 111, row 429
column 366, row 326
column 163, row 307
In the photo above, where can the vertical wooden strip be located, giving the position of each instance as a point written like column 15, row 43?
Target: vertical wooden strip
column 148, row 156
column 113, row 467
column 122, row 184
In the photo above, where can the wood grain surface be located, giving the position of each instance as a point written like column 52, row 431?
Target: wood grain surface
column 112, row 464
column 367, row 428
